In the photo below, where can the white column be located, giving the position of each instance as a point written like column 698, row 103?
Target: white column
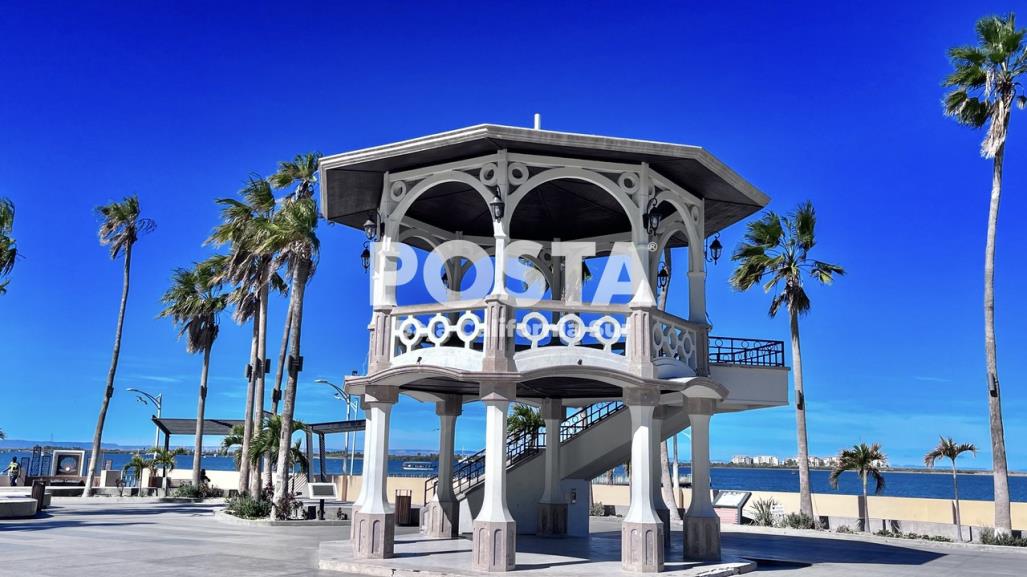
column 552, row 415
column 447, row 432
column 440, row 516
column 494, row 537
column 656, row 477
column 642, row 505
column 697, row 295
column 376, row 460
column 359, row 501
column 702, row 526
column 642, row 533
column 552, row 508
column 375, row 520
column 493, row 507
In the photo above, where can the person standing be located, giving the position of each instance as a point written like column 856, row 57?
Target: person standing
column 13, row 471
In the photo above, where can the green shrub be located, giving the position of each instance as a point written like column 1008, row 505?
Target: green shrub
column 189, row 491
column 843, row 529
column 762, row 512
column 798, row 521
column 911, row 535
column 247, row 507
column 989, row 537
column 597, row 509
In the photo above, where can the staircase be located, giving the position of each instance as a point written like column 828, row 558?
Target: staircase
column 469, row 473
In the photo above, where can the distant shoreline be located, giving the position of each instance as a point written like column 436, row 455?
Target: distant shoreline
column 935, row 471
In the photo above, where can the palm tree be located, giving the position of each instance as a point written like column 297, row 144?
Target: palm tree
column 194, row 303
column 294, row 241
column 867, row 462
column 265, row 442
column 245, row 227
column 949, row 449
column 2, row 434
column 775, row 253
column 526, row 420
column 8, row 248
column 165, row 460
column 985, row 83
column 137, row 464
column 302, row 170
column 120, row 228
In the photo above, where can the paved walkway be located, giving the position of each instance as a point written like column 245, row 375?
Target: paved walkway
column 184, row 540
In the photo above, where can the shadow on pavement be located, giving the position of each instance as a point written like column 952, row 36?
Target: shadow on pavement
column 770, row 548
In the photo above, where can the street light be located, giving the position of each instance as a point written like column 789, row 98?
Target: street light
column 142, row 397
column 342, row 395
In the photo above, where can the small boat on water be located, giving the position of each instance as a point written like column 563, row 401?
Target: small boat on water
column 419, row 466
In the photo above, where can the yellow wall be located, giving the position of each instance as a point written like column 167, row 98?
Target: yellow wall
column 978, row 513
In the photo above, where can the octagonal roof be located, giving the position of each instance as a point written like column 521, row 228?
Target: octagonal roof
column 352, row 181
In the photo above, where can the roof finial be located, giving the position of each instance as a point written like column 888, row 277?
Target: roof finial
column 538, row 121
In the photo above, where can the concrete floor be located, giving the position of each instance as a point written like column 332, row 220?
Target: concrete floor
column 184, row 540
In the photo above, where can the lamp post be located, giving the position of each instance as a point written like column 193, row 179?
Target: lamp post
column 342, row 395
column 142, row 397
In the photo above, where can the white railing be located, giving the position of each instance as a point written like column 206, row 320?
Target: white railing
column 555, row 323
column 677, row 339
column 457, row 324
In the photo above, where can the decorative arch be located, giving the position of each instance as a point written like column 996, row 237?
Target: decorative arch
column 690, row 228
column 395, row 216
column 574, row 173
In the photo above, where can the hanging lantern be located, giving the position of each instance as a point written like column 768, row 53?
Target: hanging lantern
column 365, row 258
column 663, row 277
column 714, row 250
column 498, row 208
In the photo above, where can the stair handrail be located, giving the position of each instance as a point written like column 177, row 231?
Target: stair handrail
column 522, row 444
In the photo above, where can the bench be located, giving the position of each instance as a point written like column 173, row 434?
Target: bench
column 17, row 507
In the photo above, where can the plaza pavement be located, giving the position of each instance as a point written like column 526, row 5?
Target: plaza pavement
column 184, row 540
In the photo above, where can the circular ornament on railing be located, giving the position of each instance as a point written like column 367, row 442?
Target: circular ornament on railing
column 694, row 211
column 438, row 329
column 571, row 329
column 397, row 190
column 628, row 182
column 468, row 320
column 517, row 173
column 604, row 336
column 409, row 331
column 524, row 327
column 657, row 337
column 488, row 174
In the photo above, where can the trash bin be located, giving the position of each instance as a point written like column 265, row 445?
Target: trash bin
column 403, row 511
column 39, row 493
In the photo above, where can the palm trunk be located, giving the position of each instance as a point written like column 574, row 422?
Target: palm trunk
column 258, row 394
column 805, row 498
column 276, row 396
column 676, row 474
column 667, row 488
column 1003, row 520
column 299, row 283
column 201, row 404
column 866, row 506
column 94, row 457
column 955, row 493
column 244, row 461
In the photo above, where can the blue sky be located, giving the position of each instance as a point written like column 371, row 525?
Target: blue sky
column 178, row 102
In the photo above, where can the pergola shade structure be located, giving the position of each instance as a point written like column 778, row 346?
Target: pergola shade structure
column 561, row 351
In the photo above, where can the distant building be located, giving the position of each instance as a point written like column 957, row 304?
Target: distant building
column 769, row 460
column 741, row 460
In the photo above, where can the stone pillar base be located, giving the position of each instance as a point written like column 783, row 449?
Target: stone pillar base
column 373, row 535
column 552, row 519
column 641, row 547
column 494, row 546
column 702, row 538
column 441, row 520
